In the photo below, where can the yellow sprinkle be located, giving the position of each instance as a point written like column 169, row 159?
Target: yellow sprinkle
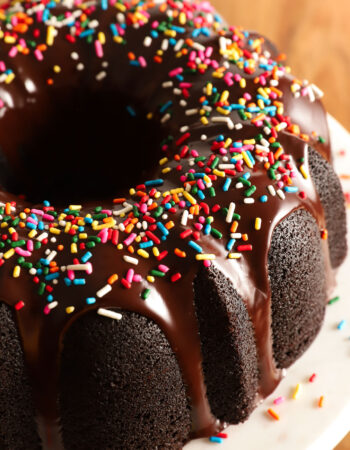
column 55, row 230
column 166, row 170
column 120, row 6
column 182, row 18
column 74, row 248
column 263, row 93
column 157, row 194
column 150, row 279
column 247, row 160
column 219, row 173
column 9, row 253
column 234, row 255
column 189, row 197
column 204, row 120
column 70, row 309
column 297, row 391
column 16, row 271
column 143, row 253
column 303, row 171
column 75, row 207
column 4, row 225
column 118, row 39
column 176, row 191
column 224, row 96
column 205, row 256
column 249, row 141
column 228, row 142
column 138, row 239
column 321, row 401
column 171, row 33
column 12, row 230
column 32, row 234
column 242, row 83
column 67, row 227
column 163, row 161
column 242, row 101
column 10, row 40
column 209, row 88
column 83, row 235
column 120, row 246
column 57, row 69
column 132, row 191
column 258, row 223
column 50, row 35
column 22, row 215
column 105, row 225
column 101, row 37
column 155, row 251
column 9, row 78
column 226, row 112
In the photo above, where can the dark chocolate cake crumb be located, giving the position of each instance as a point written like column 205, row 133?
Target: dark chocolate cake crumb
column 228, row 346
column 331, row 195
column 18, row 430
column 298, row 286
column 121, row 387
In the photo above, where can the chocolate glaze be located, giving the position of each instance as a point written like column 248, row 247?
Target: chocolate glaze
column 29, row 101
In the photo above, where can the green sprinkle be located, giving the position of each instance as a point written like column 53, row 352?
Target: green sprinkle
column 272, row 174
column 250, row 191
column 145, row 293
column 157, row 273
column 212, row 192
column 216, row 233
column 18, row 243
column 41, row 289
column 333, row 300
column 244, row 181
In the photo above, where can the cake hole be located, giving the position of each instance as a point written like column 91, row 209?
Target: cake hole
column 87, row 146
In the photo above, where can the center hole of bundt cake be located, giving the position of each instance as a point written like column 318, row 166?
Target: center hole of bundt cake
column 89, row 146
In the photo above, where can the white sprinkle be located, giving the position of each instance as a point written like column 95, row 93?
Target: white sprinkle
column 78, row 267
column 204, row 137
column 101, row 75
column 120, row 18
column 230, row 212
column 32, row 271
column 177, row 91
column 108, row 313
column 103, row 291
column 165, row 118
column 184, row 218
column 317, row 91
column 125, row 210
column 42, row 236
column 165, row 45
column 51, row 256
column 236, row 235
column 52, row 305
column 267, row 130
column 226, row 166
column 131, row 260
column 198, row 46
column 183, row 103
column 239, row 185
column 167, row 84
column 191, row 112
column 238, row 126
column 184, row 129
column 147, row 41
column 274, row 83
column 271, row 190
column 179, row 45
column 74, row 55
column 248, row 201
column 227, row 120
column 280, row 193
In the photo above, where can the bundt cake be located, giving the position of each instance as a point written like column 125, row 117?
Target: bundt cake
column 170, row 222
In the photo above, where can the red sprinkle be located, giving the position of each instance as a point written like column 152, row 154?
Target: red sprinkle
column 19, row 305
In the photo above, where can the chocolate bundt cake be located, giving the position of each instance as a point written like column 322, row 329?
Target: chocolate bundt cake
column 170, row 222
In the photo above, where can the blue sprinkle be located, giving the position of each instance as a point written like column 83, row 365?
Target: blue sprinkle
column 196, row 32
column 146, row 244
column 207, row 229
column 86, row 33
column 246, row 175
column 172, row 42
column 88, row 220
column 263, row 198
column 230, row 244
column 134, row 62
column 341, row 325
column 220, row 138
column 90, row 300
column 195, row 246
column 162, row 228
column 79, row 281
column 52, row 276
column 67, row 281
column 237, row 145
column 215, row 439
column 227, row 184
column 86, row 257
column 291, row 189
column 131, row 111
column 44, row 261
column 250, row 156
column 235, row 106
column 153, row 183
column 254, row 109
column 154, row 34
column 104, row 4
column 178, row 29
column 41, row 226
column 39, row 271
column 31, row 225
column 165, row 106
column 114, row 29
column 49, row 298
column 201, row 195
column 167, row 206
column 199, row 175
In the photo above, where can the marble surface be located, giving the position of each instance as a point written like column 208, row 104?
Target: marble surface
column 303, row 425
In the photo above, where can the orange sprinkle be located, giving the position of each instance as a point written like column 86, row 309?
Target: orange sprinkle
column 60, row 247
column 131, row 249
column 169, row 225
column 321, row 401
column 112, row 279
column 234, row 226
column 180, row 253
column 273, row 414
column 119, row 200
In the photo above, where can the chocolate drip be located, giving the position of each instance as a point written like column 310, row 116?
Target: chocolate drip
column 170, row 306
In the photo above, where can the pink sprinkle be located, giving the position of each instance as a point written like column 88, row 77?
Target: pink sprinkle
column 103, row 234
column 278, row 400
column 182, row 203
column 98, row 49
column 194, row 153
column 130, row 239
column 137, row 278
column 2, row 66
column 247, row 96
column 22, row 252
column 143, row 208
column 106, row 211
column 46, row 310
column 30, row 245
column 39, row 212
column 163, row 268
column 207, row 263
column 209, row 52
column 175, row 72
column 48, row 217
column 31, row 220
column 237, row 77
column 198, row 226
column 39, row 56
column 142, row 61
column 2, row 104
column 200, row 184
column 13, row 52
column 130, row 275
column 89, row 268
column 70, row 274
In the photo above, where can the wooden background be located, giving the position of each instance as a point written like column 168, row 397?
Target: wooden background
column 315, row 35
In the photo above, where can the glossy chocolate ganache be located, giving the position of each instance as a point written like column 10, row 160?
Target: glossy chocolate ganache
column 165, row 140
